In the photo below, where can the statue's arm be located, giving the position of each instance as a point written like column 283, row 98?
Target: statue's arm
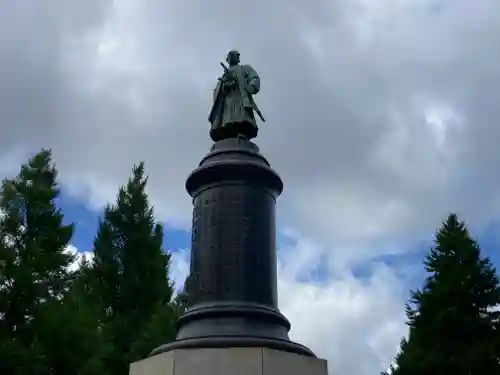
column 253, row 80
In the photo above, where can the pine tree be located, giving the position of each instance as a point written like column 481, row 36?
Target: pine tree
column 454, row 328
column 33, row 262
column 131, row 276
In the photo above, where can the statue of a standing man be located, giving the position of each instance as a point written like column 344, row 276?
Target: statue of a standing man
column 233, row 110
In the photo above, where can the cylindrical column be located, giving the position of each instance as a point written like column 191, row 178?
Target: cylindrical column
column 233, row 245
column 232, row 287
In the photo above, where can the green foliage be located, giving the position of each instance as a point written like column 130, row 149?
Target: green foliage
column 452, row 320
column 33, row 262
column 17, row 358
column 130, row 273
column 158, row 329
column 70, row 333
column 114, row 310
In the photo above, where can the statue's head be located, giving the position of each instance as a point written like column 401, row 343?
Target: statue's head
column 233, row 58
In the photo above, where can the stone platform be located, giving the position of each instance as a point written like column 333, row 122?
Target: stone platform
column 229, row 361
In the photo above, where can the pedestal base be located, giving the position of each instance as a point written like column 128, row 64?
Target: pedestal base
column 229, row 361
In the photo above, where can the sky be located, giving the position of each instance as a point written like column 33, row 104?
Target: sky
column 381, row 120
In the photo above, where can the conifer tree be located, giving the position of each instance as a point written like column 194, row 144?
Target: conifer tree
column 130, row 269
column 70, row 331
column 33, row 262
column 454, row 324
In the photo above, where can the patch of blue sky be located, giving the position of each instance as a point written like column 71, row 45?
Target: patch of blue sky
column 85, row 220
column 174, row 239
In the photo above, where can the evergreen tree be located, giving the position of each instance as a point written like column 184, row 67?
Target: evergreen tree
column 70, row 331
column 454, row 328
column 130, row 269
column 33, row 262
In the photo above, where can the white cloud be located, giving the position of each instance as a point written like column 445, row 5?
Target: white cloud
column 179, row 267
column 355, row 323
column 79, row 257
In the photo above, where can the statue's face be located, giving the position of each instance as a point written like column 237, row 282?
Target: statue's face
column 233, row 58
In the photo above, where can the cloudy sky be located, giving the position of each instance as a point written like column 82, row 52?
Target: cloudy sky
column 381, row 119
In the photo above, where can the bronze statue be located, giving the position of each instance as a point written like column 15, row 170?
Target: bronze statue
column 233, row 110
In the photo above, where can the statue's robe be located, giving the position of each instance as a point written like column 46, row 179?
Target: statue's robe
column 232, row 112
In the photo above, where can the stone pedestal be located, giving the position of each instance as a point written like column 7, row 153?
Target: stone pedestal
column 229, row 361
column 233, row 325
column 232, row 286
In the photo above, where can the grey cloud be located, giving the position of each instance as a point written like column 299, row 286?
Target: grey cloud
column 32, row 84
column 347, row 90
column 351, row 90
